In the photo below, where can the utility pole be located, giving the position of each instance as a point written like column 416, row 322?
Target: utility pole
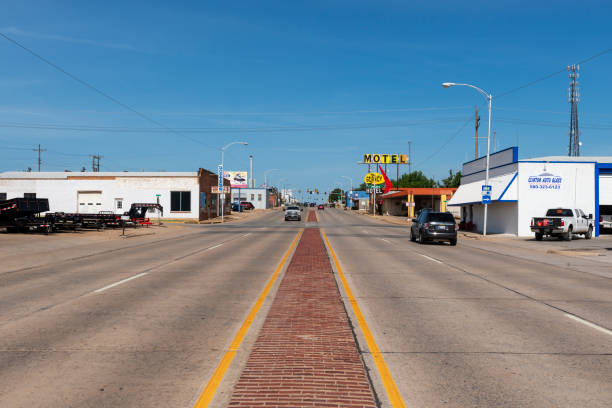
column 95, row 163
column 476, row 125
column 39, row 150
column 573, row 97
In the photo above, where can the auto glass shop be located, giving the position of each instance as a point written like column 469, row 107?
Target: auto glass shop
column 526, row 188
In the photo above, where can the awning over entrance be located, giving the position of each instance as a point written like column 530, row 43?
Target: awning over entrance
column 504, row 188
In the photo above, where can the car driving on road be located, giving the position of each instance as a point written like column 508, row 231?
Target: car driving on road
column 434, row 226
column 293, row 213
column 321, row 207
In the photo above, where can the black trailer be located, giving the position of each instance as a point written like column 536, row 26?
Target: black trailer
column 21, row 214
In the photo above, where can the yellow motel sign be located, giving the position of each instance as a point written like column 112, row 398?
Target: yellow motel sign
column 374, row 178
column 376, row 158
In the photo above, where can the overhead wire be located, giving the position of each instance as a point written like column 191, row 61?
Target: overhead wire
column 545, row 77
column 450, row 139
column 266, row 129
column 99, row 91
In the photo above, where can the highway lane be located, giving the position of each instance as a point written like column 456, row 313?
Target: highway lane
column 141, row 328
column 461, row 326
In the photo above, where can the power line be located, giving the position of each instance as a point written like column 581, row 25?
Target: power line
column 96, row 90
column 544, row 78
column 88, row 128
column 450, row 139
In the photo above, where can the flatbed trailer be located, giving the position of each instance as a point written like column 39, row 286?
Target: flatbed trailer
column 22, row 214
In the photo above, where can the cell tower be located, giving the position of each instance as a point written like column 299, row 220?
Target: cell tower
column 573, row 97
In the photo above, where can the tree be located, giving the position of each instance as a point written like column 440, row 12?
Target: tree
column 453, row 180
column 415, row 179
column 335, row 195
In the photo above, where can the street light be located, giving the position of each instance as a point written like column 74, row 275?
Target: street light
column 489, row 98
column 351, row 190
column 222, row 194
column 266, row 176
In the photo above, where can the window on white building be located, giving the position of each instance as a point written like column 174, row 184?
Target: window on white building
column 259, row 197
column 29, row 195
column 180, row 201
column 2, row 196
column 252, row 197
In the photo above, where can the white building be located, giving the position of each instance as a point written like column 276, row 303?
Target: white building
column 183, row 195
column 259, row 197
column 522, row 189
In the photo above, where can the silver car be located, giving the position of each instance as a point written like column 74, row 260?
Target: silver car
column 293, row 213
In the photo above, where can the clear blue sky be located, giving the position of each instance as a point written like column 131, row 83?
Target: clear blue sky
column 347, row 77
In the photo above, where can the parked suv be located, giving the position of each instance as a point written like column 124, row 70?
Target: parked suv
column 246, row 205
column 434, row 226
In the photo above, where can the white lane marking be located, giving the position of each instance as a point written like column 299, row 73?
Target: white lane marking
column 431, row 259
column 388, row 242
column 213, row 247
column 365, row 231
column 247, row 234
column 591, row 325
column 112, row 285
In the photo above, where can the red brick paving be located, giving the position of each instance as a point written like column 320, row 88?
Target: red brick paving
column 312, row 217
column 305, row 354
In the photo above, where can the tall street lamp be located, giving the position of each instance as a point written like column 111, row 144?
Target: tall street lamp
column 222, row 194
column 489, row 98
column 351, row 190
column 266, row 176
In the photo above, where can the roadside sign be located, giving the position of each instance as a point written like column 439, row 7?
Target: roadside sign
column 220, row 177
column 217, row 190
column 486, row 188
column 374, row 178
column 157, row 195
column 486, row 198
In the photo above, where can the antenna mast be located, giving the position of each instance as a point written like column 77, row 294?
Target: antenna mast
column 573, row 98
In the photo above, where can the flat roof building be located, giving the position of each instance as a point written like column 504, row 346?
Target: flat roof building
column 183, row 195
column 522, row 189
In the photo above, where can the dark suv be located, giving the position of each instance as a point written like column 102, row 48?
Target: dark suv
column 434, row 226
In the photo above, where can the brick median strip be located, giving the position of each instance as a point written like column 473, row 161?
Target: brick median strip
column 312, row 217
column 305, row 354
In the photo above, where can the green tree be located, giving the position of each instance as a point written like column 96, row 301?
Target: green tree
column 335, row 195
column 415, row 179
column 453, row 179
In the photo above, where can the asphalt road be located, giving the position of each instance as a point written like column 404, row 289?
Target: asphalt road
column 469, row 326
column 476, row 325
column 143, row 326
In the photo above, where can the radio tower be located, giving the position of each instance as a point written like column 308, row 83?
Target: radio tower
column 573, row 97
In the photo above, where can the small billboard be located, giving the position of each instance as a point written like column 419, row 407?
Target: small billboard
column 238, row 179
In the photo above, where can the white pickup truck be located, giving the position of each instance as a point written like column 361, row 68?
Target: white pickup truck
column 563, row 223
column 605, row 217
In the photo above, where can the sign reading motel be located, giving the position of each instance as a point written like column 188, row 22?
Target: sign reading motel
column 376, row 158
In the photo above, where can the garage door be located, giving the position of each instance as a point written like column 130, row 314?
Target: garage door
column 605, row 189
column 90, row 202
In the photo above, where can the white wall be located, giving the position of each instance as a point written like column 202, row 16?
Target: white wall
column 245, row 195
column 63, row 193
column 576, row 190
column 502, row 217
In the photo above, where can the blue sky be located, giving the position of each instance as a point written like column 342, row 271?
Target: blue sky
column 310, row 85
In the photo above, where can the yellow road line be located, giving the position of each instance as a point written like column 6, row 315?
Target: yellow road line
column 215, row 380
column 392, row 392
